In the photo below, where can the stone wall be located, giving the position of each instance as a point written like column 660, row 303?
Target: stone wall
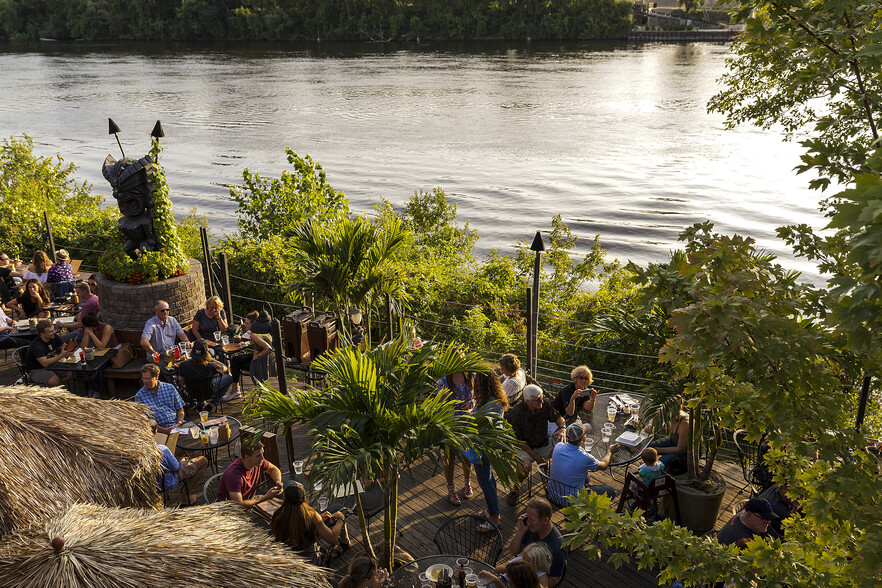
column 128, row 307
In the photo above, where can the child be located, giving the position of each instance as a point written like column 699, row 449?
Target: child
column 652, row 468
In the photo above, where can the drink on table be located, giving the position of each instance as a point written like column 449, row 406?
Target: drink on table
column 170, row 357
column 237, row 339
column 217, row 335
column 298, row 467
column 471, row 581
column 155, row 357
column 611, row 413
column 225, row 340
column 203, row 416
column 204, row 436
column 194, row 432
column 212, row 435
column 323, row 503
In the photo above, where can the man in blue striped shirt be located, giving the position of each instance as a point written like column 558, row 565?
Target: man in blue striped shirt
column 163, row 398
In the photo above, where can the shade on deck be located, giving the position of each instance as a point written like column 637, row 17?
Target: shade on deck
column 60, row 449
column 96, row 547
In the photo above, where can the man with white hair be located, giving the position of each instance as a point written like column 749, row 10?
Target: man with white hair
column 529, row 419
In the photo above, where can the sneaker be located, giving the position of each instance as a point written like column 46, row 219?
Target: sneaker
column 453, row 497
column 512, row 498
column 232, row 396
column 467, row 492
column 208, row 407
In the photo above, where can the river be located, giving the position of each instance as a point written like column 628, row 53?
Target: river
column 614, row 137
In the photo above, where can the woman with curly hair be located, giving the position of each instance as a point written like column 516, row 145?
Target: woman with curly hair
column 489, row 397
column 33, row 301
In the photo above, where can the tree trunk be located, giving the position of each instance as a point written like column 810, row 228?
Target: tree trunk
column 390, row 497
column 362, row 522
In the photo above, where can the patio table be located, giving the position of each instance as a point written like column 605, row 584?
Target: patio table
column 408, row 575
column 188, row 443
column 598, row 417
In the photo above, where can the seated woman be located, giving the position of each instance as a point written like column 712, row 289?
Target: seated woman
column 257, row 363
column 39, row 268
column 363, row 573
column 33, row 302
column 299, row 526
column 202, row 366
column 535, row 554
column 678, row 441
column 518, row 574
column 62, row 271
column 100, row 336
column 513, row 379
column 208, row 320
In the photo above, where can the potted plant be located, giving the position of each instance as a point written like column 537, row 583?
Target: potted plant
column 379, row 415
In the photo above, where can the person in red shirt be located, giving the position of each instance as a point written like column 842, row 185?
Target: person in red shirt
column 239, row 481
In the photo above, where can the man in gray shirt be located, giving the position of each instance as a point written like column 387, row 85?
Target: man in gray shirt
column 160, row 331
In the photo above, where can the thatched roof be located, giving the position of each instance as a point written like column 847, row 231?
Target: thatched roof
column 210, row 545
column 60, row 449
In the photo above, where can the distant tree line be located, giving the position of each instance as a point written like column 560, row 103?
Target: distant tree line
column 289, row 20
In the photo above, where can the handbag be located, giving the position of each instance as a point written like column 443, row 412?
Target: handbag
column 123, row 356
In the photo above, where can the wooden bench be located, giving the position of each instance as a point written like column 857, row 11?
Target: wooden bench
column 130, row 371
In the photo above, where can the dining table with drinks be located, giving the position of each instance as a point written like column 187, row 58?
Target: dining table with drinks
column 616, row 418
column 440, row 571
column 27, row 328
column 208, row 435
column 86, row 363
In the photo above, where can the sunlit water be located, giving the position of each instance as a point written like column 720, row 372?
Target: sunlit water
column 613, row 137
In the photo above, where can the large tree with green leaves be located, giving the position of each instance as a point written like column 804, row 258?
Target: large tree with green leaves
column 380, row 415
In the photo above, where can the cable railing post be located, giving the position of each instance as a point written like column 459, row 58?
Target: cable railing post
column 225, row 283
column 280, row 355
column 49, row 231
column 530, row 367
column 389, row 314
column 203, row 234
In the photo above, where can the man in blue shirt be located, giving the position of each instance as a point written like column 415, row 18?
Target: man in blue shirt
column 570, row 464
column 160, row 331
column 166, row 404
column 175, row 471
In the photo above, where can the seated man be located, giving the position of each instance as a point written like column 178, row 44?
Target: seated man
column 174, row 471
column 536, row 526
column 202, row 366
column 160, row 331
column 44, row 352
column 570, row 464
column 529, row 419
column 7, row 326
column 753, row 520
column 782, row 505
column 88, row 305
column 166, row 404
column 240, row 480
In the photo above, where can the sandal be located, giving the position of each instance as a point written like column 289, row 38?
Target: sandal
column 339, row 549
column 467, row 492
column 484, row 527
column 453, row 497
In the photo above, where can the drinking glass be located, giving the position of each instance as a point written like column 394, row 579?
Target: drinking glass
column 323, row 503
column 183, row 347
column 298, row 467
column 471, row 581
column 194, row 432
column 204, row 436
column 203, row 416
column 589, row 444
column 170, row 357
column 611, row 413
column 225, row 340
column 217, row 335
column 469, row 571
column 605, row 435
column 424, row 580
column 462, row 562
column 212, row 435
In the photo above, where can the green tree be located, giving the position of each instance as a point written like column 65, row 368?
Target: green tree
column 380, row 416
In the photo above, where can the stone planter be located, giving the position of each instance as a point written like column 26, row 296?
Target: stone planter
column 699, row 507
column 128, row 307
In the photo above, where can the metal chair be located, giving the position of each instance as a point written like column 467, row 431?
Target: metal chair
column 460, row 535
column 201, row 389
column 644, row 495
column 557, row 493
column 18, row 356
column 209, row 490
column 166, row 492
column 749, row 458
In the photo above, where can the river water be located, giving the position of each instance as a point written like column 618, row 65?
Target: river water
column 614, row 137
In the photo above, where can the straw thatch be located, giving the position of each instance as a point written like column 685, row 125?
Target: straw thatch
column 60, row 449
column 209, row 545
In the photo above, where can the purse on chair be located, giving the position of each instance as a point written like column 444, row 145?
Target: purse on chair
column 123, row 356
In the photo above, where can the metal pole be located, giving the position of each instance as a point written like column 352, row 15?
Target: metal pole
column 534, row 350
column 530, row 331
column 389, row 314
column 49, row 231
column 203, row 234
column 289, row 447
column 862, row 403
column 280, row 355
column 225, row 284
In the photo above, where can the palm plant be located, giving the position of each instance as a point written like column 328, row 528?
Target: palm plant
column 379, row 415
column 351, row 262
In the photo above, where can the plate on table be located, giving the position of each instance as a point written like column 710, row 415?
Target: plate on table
column 630, row 438
column 434, row 572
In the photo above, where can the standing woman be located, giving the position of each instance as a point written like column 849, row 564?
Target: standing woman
column 39, row 268
column 208, row 319
column 460, row 388
column 33, row 301
column 489, row 397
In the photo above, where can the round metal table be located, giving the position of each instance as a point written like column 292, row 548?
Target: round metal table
column 408, row 575
column 188, row 443
column 598, row 417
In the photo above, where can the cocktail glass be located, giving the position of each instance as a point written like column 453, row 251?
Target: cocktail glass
column 323, row 503
column 225, row 340
column 298, row 467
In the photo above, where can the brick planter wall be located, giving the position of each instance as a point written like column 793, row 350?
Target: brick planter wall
column 128, row 307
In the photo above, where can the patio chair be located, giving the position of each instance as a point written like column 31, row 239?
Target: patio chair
column 18, row 356
column 644, row 495
column 753, row 471
column 460, row 536
column 201, row 389
column 209, row 490
column 184, row 487
column 557, row 493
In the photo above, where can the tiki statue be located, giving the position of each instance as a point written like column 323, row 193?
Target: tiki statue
column 132, row 183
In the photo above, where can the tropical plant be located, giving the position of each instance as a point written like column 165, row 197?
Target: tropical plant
column 380, row 415
column 350, row 262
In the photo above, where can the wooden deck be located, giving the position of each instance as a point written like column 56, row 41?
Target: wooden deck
column 423, row 507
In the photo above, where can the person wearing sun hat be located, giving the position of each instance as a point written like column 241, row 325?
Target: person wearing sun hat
column 62, row 271
column 752, row 521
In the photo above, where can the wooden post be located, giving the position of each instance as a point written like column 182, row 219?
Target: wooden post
column 862, row 403
column 225, row 285
column 49, row 232
column 279, row 350
column 389, row 314
column 530, row 332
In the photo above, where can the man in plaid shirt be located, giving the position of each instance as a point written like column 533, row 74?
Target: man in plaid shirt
column 163, row 398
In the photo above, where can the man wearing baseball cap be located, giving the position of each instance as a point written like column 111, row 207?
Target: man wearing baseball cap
column 570, row 464
column 753, row 520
